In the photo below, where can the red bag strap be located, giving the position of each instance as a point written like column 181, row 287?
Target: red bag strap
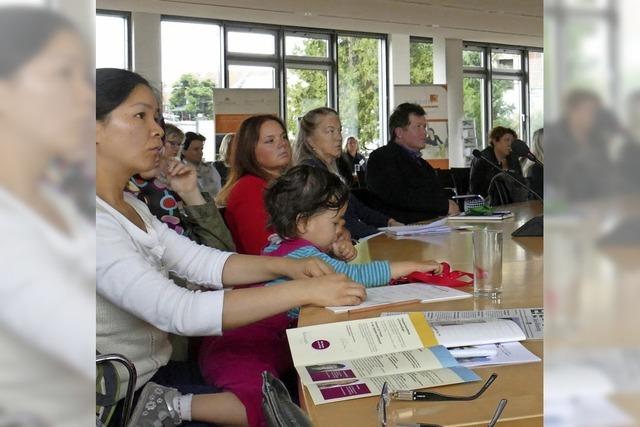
column 453, row 279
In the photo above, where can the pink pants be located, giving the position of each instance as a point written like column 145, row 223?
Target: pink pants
column 235, row 361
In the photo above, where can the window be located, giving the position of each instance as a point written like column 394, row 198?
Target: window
column 251, row 42
column 506, row 104
column 310, row 68
column 112, row 40
column 473, row 89
column 508, row 83
column 251, row 76
column 190, row 71
column 536, row 92
column 503, row 61
column 472, row 58
column 317, row 47
column 307, row 75
column 252, row 58
column 360, row 88
column 421, row 57
column 306, row 89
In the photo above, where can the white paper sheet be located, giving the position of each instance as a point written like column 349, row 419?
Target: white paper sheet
column 403, row 293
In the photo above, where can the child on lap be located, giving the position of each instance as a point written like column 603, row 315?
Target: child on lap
column 306, row 205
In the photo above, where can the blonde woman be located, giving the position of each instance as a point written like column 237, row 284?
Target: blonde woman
column 319, row 144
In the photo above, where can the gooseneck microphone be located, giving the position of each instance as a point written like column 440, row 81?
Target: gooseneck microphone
column 478, row 155
column 521, row 149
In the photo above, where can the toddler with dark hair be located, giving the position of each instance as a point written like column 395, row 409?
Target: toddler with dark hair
column 306, row 205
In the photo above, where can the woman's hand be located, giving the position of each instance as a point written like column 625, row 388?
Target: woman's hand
column 402, row 268
column 306, row 268
column 393, row 223
column 334, row 290
column 183, row 179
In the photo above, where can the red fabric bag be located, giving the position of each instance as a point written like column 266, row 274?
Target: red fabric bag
column 452, row 279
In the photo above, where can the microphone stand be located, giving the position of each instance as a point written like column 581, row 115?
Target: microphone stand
column 533, row 227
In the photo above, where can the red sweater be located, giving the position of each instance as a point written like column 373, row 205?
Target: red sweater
column 246, row 215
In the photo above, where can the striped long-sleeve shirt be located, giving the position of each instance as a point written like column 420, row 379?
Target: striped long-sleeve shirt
column 376, row 273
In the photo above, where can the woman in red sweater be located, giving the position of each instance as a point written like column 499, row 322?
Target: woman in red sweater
column 260, row 153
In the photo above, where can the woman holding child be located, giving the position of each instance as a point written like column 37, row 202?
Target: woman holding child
column 137, row 304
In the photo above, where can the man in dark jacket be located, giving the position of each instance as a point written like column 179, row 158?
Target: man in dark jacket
column 405, row 183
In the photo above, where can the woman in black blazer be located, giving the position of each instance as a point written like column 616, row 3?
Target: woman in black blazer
column 487, row 181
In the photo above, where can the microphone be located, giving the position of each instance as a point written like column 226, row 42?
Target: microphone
column 520, row 148
column 533, row 227
column 478, row 155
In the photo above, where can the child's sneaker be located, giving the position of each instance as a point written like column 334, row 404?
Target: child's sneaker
column 155, row 407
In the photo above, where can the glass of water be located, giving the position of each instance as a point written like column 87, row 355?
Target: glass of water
column 487, row 263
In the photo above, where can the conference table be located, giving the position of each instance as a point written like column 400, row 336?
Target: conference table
column 522, row 286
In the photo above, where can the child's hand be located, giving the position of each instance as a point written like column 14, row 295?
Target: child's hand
column 402, row 268
column 342, row 233
column 307, row 267
column 334, row 290
column 344, row 250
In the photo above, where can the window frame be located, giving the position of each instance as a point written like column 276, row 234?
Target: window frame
column 280, row 61
column 423, row 40
column 489, row 73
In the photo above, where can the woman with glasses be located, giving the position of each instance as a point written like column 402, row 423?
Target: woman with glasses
column 173, row 138
column 209, row 181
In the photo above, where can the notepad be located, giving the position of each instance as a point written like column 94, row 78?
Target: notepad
column 478, row 332
column 410, row 292
column 496, row 216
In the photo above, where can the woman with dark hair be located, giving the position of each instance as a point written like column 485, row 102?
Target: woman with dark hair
column 319, row 144
column 48, row 270
column 137, row 304
column 487, row 181
column 209, row 181
column 260, row 153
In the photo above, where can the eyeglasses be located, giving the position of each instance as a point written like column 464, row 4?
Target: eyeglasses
column 409, row 395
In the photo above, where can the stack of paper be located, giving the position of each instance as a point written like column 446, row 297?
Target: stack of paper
column 436, row 227
column 478, row 338
column 404, row 294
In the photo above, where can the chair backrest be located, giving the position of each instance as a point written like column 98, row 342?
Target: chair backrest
column 461, row 180
column 445, row 178
column 278, row 408
column 108, row 385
